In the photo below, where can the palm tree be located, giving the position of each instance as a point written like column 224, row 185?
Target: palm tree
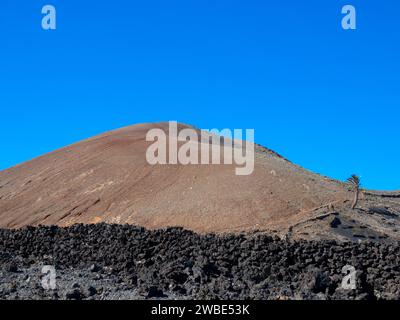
column 354, row 182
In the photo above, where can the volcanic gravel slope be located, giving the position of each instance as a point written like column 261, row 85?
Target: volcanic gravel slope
column 126, row 262
column 107, row 179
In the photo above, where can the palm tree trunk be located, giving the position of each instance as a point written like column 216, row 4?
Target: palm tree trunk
column 355, row 201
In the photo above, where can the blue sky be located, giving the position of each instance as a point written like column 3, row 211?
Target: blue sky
column 326, row 98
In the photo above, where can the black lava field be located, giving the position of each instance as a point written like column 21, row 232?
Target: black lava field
column 103, row 261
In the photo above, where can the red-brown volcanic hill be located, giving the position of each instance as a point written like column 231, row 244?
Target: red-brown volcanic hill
column 107, row 179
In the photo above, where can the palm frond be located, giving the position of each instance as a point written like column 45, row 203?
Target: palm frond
column 354, row 180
